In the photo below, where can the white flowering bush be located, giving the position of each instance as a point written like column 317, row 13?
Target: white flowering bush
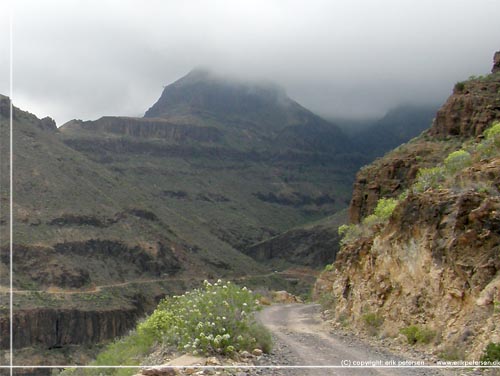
column 217, row 318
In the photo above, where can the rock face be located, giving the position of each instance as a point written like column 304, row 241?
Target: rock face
column 146, row 128
column 51, row 328
column 313, row 246
column 471, row 108
column 496, row 63
column 435, row 264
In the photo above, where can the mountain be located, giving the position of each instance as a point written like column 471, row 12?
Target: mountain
column 421, row 255
column 259, row 114
column 112, row 214
column 243, row 157
column 92, row 252
column 398, row 126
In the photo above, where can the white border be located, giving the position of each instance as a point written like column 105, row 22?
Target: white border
column 11, row 193
column 11, row 365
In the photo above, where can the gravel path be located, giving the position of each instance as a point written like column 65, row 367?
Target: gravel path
column 303, row 339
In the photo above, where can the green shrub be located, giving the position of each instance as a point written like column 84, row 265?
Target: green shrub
column 492, row 132
column 457, row 161
column 385, row 207
column 428, row 178
column 328, row 268
column 491, row 352
column 327, row 301
column 459, row 87
column 217, row 318
column 416, row 334
column 452, row 353
column 381, row 213
column 490, row 146
column 373, row 322
column 349, row 233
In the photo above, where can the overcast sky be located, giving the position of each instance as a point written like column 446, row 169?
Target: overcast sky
column 342, row 58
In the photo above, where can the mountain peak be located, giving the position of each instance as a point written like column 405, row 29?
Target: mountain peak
column 204, row 91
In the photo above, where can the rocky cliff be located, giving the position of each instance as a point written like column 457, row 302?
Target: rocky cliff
column 314, row 245
column 471, row 108
column 52, row 328
column 146, row 128
column 434, row 265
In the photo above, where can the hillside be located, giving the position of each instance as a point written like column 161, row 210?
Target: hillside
column 398, row 126
column 242, row 158
column 426, row 263
column 78, row 226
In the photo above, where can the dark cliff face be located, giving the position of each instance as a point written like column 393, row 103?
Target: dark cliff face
column 472, row 107
column 144, row 129
column 434, row 264
column 312, row 245
column 49, row 328
column 469, row 110
column 496, row 63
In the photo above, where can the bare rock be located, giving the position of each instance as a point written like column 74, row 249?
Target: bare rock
column 257, row 352
column 285, row 297
column 496, row 63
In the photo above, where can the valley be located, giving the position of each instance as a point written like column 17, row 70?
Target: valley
column 112, row 215
column 235, row 180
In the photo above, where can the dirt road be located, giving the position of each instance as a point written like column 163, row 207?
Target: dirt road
column 302, row 338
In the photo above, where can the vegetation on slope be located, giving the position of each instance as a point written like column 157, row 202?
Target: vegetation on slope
column 215, row 319
column 425, row 264
column 446, row 175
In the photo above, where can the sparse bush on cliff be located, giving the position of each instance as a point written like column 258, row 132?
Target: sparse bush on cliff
column 381, row 213
column 428, row 178
column 373, row 322
column 457, row 161
column 452, row 353
column 385, row 207
column 490, row 146
column 491, row 352
column 416, row 334
column 459, row 87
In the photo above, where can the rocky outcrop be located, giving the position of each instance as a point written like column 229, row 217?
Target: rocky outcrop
column 469, row 110
column 50, row 328
column 80, row 220
column 472, row 107
column 295, row 199
column 146, row 128
column 496, row 63
column 435, row 263
column 314, row 247
column 78, row 264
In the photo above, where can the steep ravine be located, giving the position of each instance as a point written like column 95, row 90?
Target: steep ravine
column 436, row 262
column 472, row 107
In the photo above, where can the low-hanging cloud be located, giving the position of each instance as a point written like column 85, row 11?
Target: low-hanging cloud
column 86, row 59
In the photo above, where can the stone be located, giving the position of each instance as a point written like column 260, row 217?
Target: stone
column 284, row 297
column 159, row 371
column 496, row 62
column 257, row 352
column 213, row 361
column 246, row 354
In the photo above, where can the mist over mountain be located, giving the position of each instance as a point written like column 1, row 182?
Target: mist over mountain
column 219, row 177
